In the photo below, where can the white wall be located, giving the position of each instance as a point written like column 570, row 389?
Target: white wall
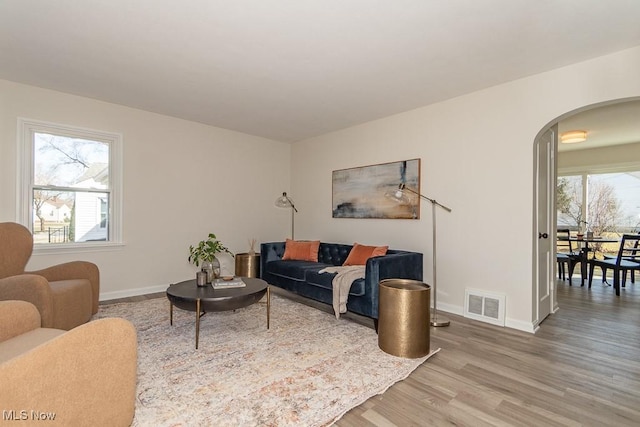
column 618, row 156
column 182, row 180
column 477, row 158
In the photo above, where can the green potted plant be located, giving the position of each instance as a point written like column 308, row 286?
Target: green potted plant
column 205, row 253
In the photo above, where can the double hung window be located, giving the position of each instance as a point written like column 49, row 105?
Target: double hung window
column 71, row 186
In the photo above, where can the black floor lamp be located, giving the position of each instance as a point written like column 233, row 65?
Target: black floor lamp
column 399, row 197
column 285, row 201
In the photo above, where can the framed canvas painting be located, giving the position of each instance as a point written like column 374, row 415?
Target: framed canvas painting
column 361, row 192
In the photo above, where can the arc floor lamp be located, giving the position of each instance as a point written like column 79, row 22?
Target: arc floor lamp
column 285, row 201
column 399, row 196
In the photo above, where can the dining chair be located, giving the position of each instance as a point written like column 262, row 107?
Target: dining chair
column 627, row 259
column 565, row 254
column 634, row 258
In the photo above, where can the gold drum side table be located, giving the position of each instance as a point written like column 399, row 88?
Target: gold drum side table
column 248, row 265
column 403, row 318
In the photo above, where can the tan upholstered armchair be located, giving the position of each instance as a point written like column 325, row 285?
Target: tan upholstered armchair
column 66, row 295
column 82, row 377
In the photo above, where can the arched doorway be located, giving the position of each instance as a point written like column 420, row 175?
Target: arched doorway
column 613, row 132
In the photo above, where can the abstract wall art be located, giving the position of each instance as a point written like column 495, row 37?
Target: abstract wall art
column 361, row 192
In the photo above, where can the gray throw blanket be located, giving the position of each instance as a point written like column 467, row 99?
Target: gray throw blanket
column 342, row 283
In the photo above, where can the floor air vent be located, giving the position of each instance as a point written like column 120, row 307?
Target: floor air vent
column 484, row 306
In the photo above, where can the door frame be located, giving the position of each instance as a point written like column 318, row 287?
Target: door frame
column 544, row 260
column 553, row 220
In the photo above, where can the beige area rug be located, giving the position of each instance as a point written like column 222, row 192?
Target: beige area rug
column 308, row 369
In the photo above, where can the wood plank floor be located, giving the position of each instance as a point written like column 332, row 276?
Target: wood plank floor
column 581, row 368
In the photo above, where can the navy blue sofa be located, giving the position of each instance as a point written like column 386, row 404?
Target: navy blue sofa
column 304, row 277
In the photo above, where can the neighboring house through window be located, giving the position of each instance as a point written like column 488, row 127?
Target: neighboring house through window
column 71, row 184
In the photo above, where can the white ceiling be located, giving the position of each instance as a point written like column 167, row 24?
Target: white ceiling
column 293, row 69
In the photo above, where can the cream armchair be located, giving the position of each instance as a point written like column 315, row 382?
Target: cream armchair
column 82, row 377
column 66, row 295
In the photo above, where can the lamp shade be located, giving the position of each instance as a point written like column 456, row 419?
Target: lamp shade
column 282, row 201
column 398, row 195
column 285, row 201
column 573, row 136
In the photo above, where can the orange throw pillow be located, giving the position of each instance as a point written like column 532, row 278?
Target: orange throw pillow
column 301, row 250
column 359, row 254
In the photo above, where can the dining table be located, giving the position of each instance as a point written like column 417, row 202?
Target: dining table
column 585, row 249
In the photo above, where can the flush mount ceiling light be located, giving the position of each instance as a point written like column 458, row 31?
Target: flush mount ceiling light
column 573, row 136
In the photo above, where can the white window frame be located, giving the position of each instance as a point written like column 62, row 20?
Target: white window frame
column 26, row 130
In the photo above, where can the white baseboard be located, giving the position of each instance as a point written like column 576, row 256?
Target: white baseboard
column 450, row 308
column 520, row 325
column 509, row 323
column 106, row 296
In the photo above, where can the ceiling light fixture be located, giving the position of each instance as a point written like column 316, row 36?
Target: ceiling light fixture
column 573, row 136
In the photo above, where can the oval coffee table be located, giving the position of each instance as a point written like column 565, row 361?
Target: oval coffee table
column 202, row 299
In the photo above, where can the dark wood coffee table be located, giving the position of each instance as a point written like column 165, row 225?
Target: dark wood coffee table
column 188, row 296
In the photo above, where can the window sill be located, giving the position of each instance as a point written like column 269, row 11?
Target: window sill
column 71, row 248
